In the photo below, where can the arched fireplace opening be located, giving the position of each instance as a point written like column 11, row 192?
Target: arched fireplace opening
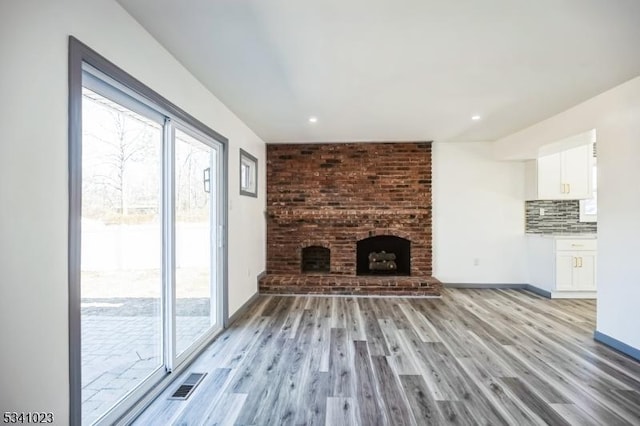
column 383, row 255
column 316, row 259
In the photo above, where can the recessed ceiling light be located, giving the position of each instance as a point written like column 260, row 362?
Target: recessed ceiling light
column 313, row 119
column 475, row 117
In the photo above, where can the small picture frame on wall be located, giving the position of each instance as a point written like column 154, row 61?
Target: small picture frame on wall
column 248, row 174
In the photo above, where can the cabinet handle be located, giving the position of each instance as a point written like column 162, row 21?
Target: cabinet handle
column 580, row 265
column 577, row 245
column 568, row 188
column 575, row 262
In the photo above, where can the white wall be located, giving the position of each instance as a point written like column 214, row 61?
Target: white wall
column 33, row 181
column 615, row 115
column 619, row 225
column 478, row 213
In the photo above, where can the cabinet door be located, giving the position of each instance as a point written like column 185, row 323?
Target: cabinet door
column 565, row 266
column 577, row 171
column 586, row 270
column 550, row 177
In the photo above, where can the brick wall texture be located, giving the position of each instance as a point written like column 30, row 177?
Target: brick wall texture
column 332, row 195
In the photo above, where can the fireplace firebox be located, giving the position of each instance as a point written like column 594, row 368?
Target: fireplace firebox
column 383, row 255
column 316, row 259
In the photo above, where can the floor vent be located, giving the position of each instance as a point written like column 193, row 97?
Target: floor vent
column 185, row 390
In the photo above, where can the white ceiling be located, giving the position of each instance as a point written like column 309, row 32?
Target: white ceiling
column 398, row 70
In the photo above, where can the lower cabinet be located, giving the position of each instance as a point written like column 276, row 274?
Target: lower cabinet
column 563, row 267
column 576, row 270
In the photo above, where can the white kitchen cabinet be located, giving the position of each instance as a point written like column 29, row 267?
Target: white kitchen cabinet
column 576, row 270
column 566, row 175
column 563, row 266
column 565, row 262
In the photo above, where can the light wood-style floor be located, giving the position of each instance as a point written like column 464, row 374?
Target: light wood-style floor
column 488, row 357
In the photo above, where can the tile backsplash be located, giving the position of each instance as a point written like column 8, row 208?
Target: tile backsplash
column 560, row 216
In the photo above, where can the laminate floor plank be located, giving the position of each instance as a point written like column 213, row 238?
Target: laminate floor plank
column 292, row 321
column 581, row 367
column 517, row 368
column 293, row 371
column 312, row 388
column 311, row 409
column 535, row 403
column 455, row 337
column 338, row 313
column 574, row 390
column 377, row 343
column 473, row 357
column 341, row 411
column 396, row 314
column 367, row 394
column 478, row 325
column 400, row 358
column 206, row 395
column 494, row 391
column 457, row 413
column 275, row 403
column 574, row 415
column 395, row 402
column 341, row 364
column 445, row 370
column 430, row 370
column 424, row 407
column 226, row 412
column 419, row 324
column 238, row 350
column 353, row 319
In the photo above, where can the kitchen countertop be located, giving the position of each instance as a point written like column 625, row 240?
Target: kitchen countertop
column 566, row 236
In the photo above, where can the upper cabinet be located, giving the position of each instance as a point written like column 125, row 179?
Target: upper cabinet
column 566, row 175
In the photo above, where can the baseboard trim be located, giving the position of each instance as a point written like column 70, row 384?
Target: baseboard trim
column 537, row 290
column 243, row 309
column 617, row 345
column 483, row 285
column 574, row 295
column 514, row 286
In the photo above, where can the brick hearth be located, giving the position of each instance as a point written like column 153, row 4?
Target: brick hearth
column 335, row 284
column 334, row 195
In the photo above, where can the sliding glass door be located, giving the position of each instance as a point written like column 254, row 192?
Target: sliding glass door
column 196, row 174
column 150, row 260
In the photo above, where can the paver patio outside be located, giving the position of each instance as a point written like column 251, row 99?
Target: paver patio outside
column 121, row 336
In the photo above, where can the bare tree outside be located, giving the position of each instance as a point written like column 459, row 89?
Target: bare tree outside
column 112, row 186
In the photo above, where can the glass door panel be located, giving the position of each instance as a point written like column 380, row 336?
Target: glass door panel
column 195, row 180
column 121, row 252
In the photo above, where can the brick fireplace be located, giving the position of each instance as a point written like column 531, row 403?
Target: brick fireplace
column 349, row 219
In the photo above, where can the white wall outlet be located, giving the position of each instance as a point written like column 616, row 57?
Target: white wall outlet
column 541, row 211
column 476, row 261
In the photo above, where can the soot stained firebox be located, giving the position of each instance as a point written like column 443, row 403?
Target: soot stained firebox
column 316, row 259
column 383, row 255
